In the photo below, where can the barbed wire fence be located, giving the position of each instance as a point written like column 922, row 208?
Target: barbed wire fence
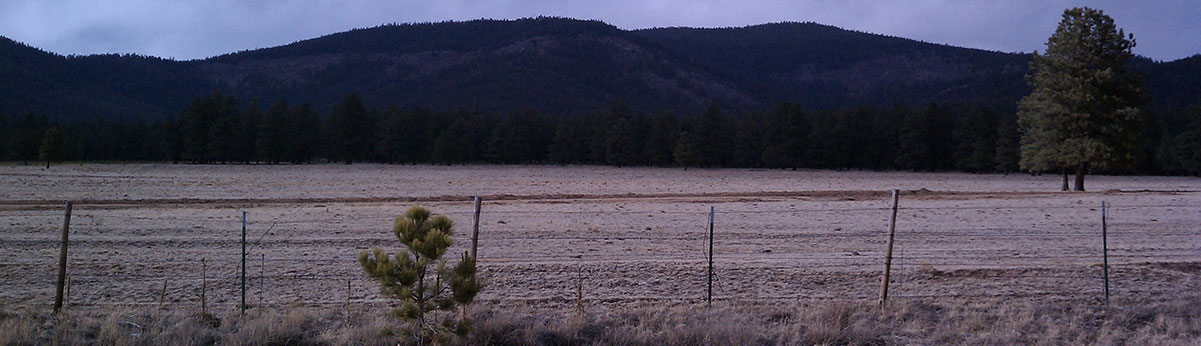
column 171, row 279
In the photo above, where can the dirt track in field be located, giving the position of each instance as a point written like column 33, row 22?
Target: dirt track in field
column 631, row 235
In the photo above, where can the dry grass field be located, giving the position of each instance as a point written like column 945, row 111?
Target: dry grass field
column 633, row 238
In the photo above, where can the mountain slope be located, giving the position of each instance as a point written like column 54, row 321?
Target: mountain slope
column 822, row 66
column 550, row 65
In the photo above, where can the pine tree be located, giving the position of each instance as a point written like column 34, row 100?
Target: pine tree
column 977, row 139
column 272, row 142
column 51, row 149
column 914, row 150
column 565, row 147
column 621, row 146
column 303, row 135
column 419, row 277
column 661, row 139
column 1007, row 154
column 225, row 129
column 350, row 136
column 453, row 145
column 685, row 152
column 1183, row 150
column 248, row 133
column 712, row 138
column 1084, row 107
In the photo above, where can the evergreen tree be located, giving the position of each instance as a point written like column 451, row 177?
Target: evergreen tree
column 248, row 133
column 27, row 136
column 786, row 137
column 272, row 142
column 621, row 146
column 1182, row 152
column 303, row 135
column 453, row 146
column 6, row 135
column 927, row 140
column 914, row 151
column 712, row 138
column 419, row 277
column 565, row 147
column 224, row 133
column 748, row 142
column 51, row 149
column 1084, row 107
column 1006, row 158
column 661, row 140
column 685, row 152
column 349, row 130
column 977, row 141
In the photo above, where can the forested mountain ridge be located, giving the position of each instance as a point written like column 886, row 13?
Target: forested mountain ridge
column 550, row 65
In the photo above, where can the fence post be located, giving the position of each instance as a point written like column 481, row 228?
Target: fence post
column 475, row 230
column 579, row 289
column 1105, row 250
column 892, row 228
column 162, row 295
column 709, row 297
column 62, row 261
column 262, row 278
column 67, row 297
column 243, row 305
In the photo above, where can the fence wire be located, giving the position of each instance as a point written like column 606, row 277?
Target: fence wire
column 287, row 280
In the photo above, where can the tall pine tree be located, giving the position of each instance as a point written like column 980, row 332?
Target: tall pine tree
column 1084, row 107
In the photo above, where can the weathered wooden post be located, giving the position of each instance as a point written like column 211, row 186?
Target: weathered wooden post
column 243, row 305
column 1105, row 250
column 579, row 290
column 67, row 297
column 892, row 228
column 62, row 261
column 709, row 296
column 262, row 278
column 162, row 295
column 475, row 230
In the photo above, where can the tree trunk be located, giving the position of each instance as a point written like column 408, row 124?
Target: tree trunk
column 47, row 164
column 1065, row 179
column 1081, row 170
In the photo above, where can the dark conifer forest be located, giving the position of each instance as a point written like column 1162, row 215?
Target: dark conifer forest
column 561, row 91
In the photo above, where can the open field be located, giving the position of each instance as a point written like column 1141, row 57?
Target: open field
column 634, row 235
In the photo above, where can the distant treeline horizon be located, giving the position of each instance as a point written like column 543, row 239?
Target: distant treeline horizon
column 936, row 137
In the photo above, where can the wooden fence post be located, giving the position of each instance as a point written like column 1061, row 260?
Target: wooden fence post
column 243, row 305
column 62, row 261
column 162, row 295
column 579, row 290
column 1105, row 250
column 709, row 296
column 262, row 278
column 475, row 230
column 892, row 228
column 67, row 297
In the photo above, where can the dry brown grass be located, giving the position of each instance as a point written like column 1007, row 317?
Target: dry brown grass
column 1174, row 321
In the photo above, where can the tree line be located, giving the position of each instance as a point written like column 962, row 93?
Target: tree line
column 936, row 137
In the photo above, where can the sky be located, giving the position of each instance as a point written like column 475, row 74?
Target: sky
column 190, row 29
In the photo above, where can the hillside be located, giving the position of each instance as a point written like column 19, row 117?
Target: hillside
column 553, row 65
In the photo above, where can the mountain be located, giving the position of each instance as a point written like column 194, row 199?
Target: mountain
column 551, row 65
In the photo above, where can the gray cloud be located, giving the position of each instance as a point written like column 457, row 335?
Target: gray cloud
column 188, row 29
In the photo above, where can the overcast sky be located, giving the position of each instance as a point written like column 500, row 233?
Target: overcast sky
column 190, row 29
